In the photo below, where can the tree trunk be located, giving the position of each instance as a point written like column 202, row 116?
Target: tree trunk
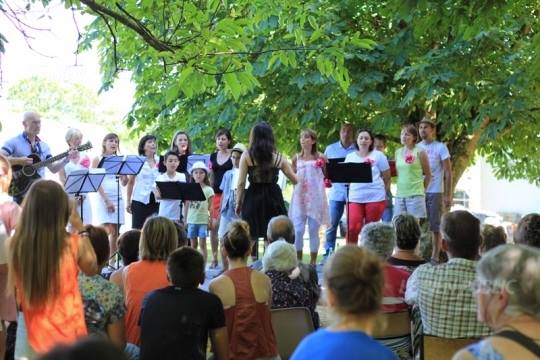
column 462, row 151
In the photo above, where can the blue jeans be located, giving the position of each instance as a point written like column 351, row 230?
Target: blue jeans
column 388, row 214
column 336, row 212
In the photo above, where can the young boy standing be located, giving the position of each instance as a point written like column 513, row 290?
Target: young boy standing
column 170, row 208
column 176, row 320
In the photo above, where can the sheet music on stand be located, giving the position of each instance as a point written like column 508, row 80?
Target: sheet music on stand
column 122, row 165
column 84, row 181
column 192, row 159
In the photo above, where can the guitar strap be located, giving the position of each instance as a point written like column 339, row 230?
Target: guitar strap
column 36, row 147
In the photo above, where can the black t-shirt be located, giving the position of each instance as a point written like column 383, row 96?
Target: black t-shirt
column 175, row 323
column 219, row 171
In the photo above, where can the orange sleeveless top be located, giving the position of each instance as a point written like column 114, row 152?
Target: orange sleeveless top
column 249, row 323
column 60, row 320
column 140, row 278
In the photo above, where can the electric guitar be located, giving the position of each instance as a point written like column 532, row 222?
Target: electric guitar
column 25, row 175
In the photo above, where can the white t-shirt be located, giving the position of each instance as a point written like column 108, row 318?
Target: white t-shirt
column 437, row 152
column 170, row 208
column 373, row 191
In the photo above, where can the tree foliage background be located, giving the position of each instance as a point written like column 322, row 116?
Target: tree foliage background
column 201, row 65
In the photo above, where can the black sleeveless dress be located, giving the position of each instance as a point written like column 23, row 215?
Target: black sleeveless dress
column 263, row 198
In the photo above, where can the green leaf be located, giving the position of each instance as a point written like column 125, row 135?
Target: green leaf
column 233, row 85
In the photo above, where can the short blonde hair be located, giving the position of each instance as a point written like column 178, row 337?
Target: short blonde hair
column 158, row 239
column 72, row 133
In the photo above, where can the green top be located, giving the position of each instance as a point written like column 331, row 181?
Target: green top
column 410, row 180
column 198, row 210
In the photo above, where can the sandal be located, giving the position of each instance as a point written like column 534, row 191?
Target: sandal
column 213, row 264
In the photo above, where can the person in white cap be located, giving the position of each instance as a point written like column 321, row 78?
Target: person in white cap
column 229, row 184
column 198, row 212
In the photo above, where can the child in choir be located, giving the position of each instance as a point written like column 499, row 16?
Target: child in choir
column 167, row 207
column 308, row 202
column 228, row 200
column 198, row 212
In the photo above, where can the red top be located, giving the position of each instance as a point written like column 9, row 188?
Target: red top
column 249, row 323
column 140, row 278
column 60, row 320
column 395, row 281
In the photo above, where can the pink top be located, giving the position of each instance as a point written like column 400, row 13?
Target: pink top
column 9, row 213
column 249, row 323
column 309, row 195
column 140, row 278
column 395, row 281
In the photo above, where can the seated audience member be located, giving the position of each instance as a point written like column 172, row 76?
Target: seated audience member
column 288, row 289
column 353, row 278
column 103, row 302
column 128, row 249
column 158, row 239
column 379, row 238
column 528, row 231
column 246, row 295
column 507, row 290
column 492, row 236
column 443, row 292
column 407, row 237
column 176, row 320
column 89, row 348
column 182, row 235
column 281, row 228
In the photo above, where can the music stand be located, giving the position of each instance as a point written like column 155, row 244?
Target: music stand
column 121, row 165
column 82, row 182
column 205, row 158
column 176, row 190
column 348, row 172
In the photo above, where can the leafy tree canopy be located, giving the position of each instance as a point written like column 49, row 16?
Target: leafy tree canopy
column 200, row 65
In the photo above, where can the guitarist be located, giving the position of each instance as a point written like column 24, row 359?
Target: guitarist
column 18, row 148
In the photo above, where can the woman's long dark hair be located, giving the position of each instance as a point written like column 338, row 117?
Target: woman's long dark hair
column 262, row 144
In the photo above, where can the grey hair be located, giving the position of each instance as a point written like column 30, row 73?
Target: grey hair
column 71, row 133
column 380, row 238
column 279, row 256
column 280, row 227
column 515, row 268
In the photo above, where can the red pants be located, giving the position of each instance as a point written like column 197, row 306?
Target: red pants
column 360, row 214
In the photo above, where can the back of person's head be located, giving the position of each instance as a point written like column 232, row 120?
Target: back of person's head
column 185, row 267
column 461, row 232
column 261, row 143
column 128, row 246
column 354, row 275
column 237, row 241
column 39, row 241
column 182, row 236
column 100, row 242
column 379, row 238
column 528, row 231
column 158, row 239
column 5, row 174
column 280, row 256
column 280, row 227
column 492, row 236
column 407, row 231
column 516, row 269
column 88, row 348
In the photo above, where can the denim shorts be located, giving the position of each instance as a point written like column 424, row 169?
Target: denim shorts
column 414, row 205
column 197, row 231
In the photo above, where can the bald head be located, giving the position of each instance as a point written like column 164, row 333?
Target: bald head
column 32, row 123
column 280, row 227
